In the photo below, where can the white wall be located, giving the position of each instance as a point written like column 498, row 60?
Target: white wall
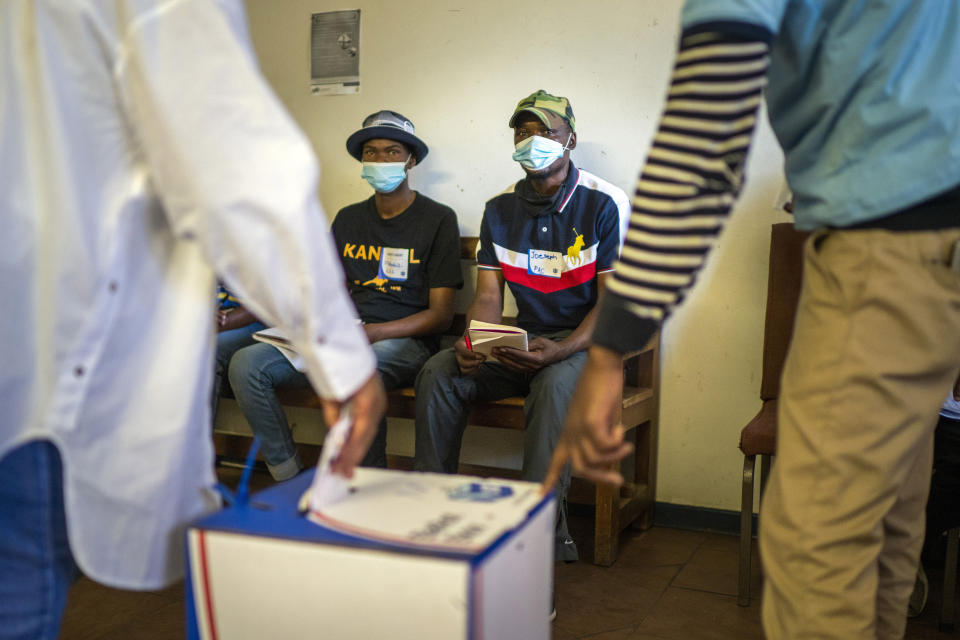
column 457, row 70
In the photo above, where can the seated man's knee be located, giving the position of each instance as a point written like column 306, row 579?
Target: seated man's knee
column 245, row 366
column 441, row 366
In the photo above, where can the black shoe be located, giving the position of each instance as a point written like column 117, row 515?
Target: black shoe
column 918, row 599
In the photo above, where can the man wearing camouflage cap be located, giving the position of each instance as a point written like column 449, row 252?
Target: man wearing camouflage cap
column 553, row 238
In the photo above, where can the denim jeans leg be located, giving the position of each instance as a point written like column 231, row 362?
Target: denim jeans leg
column 228, row 343
column 444, row 396
column 546, row 408
column 398, row 362
column 36, row 565
column 255, row 372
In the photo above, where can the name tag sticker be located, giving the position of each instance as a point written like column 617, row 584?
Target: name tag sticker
column 544, row 263
column 394, row 263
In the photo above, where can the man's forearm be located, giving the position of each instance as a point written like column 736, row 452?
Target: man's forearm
column 241, row 317
column 485, row 309
column 579, row 340
column 423, row 323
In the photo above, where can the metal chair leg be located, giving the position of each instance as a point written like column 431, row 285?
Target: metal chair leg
column 746, row 531
column 950, row 581
column 766, row 462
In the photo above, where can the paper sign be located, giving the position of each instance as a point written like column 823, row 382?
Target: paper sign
column 544, row 263
column 394, row 263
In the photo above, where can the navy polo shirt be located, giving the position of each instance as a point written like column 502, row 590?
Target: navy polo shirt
column 550, row 261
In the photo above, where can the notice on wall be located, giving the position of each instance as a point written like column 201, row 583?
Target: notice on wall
column 335, row 52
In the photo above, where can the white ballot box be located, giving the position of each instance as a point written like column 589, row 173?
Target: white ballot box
column 404, row 555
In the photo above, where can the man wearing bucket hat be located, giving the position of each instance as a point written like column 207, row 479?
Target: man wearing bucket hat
column 552, row 238
column 400, row 252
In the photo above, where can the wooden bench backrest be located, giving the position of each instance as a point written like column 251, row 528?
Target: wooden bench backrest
column 468, row 252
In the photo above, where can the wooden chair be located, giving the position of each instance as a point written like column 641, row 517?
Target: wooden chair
column 759, row 436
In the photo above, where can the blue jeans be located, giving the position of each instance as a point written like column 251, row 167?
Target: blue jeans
column 257, row 370
column 444, row 398
column 228, row 343
column 36, row 565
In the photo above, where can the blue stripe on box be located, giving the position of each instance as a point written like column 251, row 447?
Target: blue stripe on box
column 193, row 624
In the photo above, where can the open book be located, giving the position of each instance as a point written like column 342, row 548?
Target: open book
column 484, row 336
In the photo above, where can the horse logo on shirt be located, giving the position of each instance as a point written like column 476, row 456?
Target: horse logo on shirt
column 573, row 252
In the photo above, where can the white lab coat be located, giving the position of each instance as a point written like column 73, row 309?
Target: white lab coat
column 140, row 152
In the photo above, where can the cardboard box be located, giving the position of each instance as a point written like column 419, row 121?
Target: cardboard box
column 406, row 555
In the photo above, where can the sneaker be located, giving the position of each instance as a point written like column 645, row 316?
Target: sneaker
column 918, row 599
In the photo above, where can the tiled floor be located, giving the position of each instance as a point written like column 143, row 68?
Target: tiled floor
column 667, row 584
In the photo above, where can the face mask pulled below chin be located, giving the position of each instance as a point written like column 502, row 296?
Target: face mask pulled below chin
column 537, row 152
column 384, row 176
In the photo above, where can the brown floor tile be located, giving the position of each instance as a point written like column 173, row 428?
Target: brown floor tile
column 593, row 599
column 167, row 622
column 94, row 610
column 616, row 634
column 685, row 614
column 715, row 567
column 559, row 633
column 658, row 547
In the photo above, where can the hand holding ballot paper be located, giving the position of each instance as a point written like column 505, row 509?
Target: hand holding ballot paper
column 367, row 406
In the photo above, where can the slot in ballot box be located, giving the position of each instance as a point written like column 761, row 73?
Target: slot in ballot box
column 404, row 555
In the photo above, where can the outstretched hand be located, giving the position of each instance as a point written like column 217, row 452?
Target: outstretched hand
column 369, row 405
column 591, row 441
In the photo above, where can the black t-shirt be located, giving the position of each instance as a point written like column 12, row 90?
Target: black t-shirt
column 391, row 265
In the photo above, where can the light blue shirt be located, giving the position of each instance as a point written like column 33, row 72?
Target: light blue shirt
column 864, row 96
column 951, row 408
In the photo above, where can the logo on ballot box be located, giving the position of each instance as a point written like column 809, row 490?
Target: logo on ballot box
column 480, row 492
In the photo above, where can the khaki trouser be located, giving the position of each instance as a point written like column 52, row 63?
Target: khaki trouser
column 876, row 348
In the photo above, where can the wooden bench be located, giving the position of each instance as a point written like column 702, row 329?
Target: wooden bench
column 615, row 509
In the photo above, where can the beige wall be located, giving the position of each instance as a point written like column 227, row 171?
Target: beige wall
column 456, row 70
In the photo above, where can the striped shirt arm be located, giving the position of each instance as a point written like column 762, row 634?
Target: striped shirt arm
column 693, row 174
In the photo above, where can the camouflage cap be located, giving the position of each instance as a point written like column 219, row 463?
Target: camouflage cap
column 539, row 102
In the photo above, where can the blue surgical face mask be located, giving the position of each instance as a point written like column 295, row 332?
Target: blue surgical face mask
column 537, row 152
column 384, row 176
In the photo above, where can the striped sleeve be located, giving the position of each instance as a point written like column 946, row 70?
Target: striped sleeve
column 693, row 174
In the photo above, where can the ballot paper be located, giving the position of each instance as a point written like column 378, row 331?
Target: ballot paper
column 327, row 487
column 275, row 337
column 484, row 336
column 430, row 511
